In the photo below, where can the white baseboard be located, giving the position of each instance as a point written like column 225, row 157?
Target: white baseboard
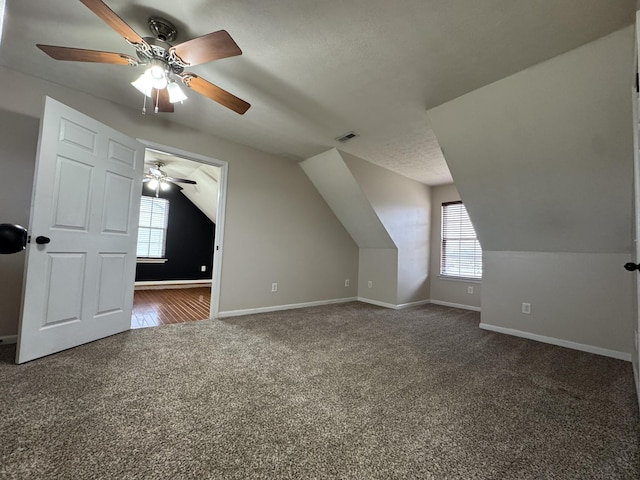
column 278, row 308
column 412, row 304
column 168, row 284
column 8, row 339
column 456, row 305
column 377, row 303
column 559, row 342
column 391, row 305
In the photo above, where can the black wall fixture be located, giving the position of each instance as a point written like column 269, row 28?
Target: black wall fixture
column 190, row 238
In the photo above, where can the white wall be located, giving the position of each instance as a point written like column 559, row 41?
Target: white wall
column 278, row 228
column 576, row 297
column 387, row 215
column 543, row 161
column 447, row 291
column 404, row 208
column 380, row 267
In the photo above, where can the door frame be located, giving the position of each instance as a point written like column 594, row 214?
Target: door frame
column 218, row 250
column 636, row 201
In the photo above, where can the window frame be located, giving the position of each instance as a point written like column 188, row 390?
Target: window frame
column 465, row 229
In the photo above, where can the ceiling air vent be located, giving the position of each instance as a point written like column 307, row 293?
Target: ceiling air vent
column 347, row 136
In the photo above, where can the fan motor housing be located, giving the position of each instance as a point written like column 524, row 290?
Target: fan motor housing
column 162, row 29
column 159, row 51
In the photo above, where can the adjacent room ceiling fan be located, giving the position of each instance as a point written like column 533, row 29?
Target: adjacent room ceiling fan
column 164, row 62
column 158, row 180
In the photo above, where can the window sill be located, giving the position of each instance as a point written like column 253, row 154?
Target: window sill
column 151, row 260
column 460, row 279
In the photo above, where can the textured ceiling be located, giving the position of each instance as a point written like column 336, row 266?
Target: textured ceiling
column 314, row 70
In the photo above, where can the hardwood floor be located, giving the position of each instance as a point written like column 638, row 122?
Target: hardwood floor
column 152, row 308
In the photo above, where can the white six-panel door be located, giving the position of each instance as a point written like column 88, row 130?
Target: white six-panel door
column 79, row 286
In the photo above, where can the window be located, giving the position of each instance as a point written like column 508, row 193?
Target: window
column 152, row 227
column 461, row 254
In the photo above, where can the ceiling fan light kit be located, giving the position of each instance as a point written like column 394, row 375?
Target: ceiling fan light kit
column 164, row 62
column 158, row 180
column 175, row 93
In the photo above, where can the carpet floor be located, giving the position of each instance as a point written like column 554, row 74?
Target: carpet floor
column 348, row 391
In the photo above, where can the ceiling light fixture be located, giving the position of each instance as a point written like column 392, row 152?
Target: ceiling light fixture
column 158, row 77
column 143, row 85
column 175, row 93
column 163, row 62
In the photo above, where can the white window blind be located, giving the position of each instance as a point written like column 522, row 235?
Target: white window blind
column 152, row 227
column 461, row 254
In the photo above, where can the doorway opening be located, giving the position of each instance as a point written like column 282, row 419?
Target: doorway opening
column 177, row 279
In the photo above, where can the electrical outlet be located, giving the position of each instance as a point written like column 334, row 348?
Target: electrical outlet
column 203, row 268
column 526, row 308
column 274, row 287
column 346, row 282
column 370, row 284
column 470, row 289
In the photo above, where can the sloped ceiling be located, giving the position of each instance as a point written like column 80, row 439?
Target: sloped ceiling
column 543, row 159
column 314, row 70
column 331, row 176
column 204, row 194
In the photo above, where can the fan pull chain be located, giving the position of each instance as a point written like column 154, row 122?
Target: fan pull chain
column 144, row 104
column 157, row 100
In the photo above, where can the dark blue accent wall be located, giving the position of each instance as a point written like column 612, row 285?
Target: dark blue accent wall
column 190, row 238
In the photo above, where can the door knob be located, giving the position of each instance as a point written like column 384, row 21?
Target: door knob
column 42, row 240
column 631, row 266
column 13, row 238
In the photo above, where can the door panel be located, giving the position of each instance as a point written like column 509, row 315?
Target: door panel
column 110, row 287
column 72, row 194
column 86, row 199
column 64, row 299
column 116, row 204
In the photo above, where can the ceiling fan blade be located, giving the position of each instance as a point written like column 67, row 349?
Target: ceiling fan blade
column 146, row 180
column 207, row 48
column 217, row 94
column 161, row 101
column 182, row 180
column 113, row 20
column 82, row 55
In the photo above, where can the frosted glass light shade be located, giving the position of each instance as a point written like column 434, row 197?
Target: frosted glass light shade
column 153, row 184
column 143, row 85
column 165, row 186
column 157, row 77
column 175, row 93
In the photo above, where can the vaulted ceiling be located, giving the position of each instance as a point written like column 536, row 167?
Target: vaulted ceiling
column 314, row 70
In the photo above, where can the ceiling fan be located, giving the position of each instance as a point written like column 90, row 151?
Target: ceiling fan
column 164, row 62
column 158, row 180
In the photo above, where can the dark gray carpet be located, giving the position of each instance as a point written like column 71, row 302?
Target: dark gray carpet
column 348, row 391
